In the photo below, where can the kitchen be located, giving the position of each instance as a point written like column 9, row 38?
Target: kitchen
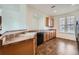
column 25, row 28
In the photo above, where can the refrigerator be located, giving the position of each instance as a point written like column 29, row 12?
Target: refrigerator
column 77, row 31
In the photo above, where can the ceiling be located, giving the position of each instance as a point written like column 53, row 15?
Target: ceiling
column 58, row 8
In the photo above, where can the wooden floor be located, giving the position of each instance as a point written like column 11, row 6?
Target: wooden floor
column 58, row 47
column 51, row 47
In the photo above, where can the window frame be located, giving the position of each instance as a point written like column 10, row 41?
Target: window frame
column 66, row 25
column 62, row 24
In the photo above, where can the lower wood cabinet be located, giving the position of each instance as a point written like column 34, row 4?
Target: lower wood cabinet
column 26, row 47
column 46, row 36
column 49, row 35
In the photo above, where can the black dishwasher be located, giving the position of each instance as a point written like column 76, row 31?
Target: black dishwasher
column 40, row 38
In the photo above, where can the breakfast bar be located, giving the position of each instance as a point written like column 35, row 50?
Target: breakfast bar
column 19, row 42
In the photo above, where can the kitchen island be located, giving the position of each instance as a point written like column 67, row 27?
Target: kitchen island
column 18, row 43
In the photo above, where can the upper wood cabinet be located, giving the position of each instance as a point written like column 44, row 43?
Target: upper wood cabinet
column 49, row 21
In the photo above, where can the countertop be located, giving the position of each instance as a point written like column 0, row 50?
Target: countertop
column 28, row 35
column 21, row 37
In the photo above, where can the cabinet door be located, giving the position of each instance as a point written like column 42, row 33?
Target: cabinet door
column 54, row 34
column 49, row 35
column 20, row 48
column 46, row 36
column 49, row 21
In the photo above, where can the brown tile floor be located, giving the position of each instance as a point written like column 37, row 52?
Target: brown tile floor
column 58, row 47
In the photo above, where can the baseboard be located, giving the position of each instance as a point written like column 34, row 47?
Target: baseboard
column 65, row 39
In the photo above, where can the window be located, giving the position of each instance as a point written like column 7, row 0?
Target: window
column 62, row 24
column 67, row 24
column 70, row 24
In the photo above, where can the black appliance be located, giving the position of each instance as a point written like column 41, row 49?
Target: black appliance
column 40, row 38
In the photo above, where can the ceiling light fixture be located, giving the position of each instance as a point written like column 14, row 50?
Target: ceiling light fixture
column 53, row 6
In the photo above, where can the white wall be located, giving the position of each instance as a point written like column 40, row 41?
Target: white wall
column 14, row 17
column 36, row 18
column 56, row 23
column 0, row 11
column 32, row 22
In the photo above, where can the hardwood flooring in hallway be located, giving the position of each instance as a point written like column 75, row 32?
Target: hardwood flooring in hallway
column 58, row 47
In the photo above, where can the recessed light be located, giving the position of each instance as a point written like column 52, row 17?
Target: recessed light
column 55, row 11
column 73, row 4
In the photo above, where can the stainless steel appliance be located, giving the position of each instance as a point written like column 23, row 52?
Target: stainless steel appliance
column 77, row 32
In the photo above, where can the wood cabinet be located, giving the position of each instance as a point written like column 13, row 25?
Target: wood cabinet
column 46, row 36
column 26, row 47
column 18, row 43
column 49, row 21
column 49, row 35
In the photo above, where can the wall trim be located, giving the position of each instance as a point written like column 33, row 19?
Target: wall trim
column 65, row 39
